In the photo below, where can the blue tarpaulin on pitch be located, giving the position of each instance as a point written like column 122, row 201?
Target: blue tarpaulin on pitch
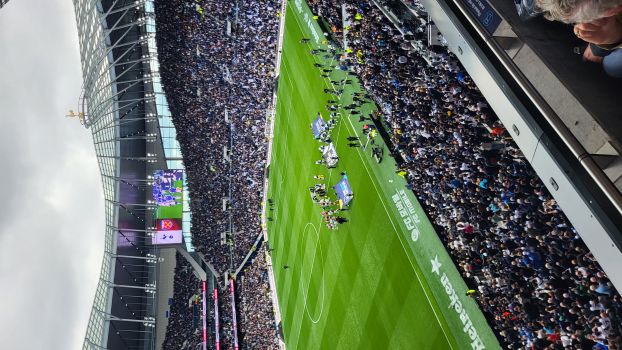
column 318, row 126
column 344, row 191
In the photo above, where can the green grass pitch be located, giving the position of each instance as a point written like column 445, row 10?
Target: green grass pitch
column 175, row 211
column 361, row 286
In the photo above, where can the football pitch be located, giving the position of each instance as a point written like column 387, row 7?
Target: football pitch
column 171, row 211
column 382, row 280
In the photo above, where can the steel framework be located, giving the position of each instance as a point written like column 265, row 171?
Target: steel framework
column 125, row 109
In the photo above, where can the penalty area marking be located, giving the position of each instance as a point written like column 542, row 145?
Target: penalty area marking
column 305, row 294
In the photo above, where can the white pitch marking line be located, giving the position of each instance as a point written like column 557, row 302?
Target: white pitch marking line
column 304, row 295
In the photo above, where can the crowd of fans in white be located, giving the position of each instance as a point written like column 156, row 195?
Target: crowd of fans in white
column 253, row 290
column 538, row 284
column 217, row 65
column 219, row 88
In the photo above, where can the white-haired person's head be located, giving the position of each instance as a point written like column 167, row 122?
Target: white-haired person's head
column 578, row 11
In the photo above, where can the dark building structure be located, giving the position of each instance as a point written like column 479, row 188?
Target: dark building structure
column 124, row 107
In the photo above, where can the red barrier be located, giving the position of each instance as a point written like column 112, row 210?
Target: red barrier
column 216, row 321
column 235, row 321
column 204, row 304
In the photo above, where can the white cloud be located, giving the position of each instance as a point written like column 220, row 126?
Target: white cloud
column 52, row 215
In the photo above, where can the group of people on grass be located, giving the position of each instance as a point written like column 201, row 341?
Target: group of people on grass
column 319, row 193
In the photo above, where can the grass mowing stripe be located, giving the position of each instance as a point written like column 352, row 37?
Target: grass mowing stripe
column 329, row 176
column 397, row 233
column 294, row 224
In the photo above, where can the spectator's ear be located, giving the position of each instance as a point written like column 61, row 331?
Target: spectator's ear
column 613, row 11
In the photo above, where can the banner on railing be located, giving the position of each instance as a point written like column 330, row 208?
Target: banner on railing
column 234, row 318
column 216, row 320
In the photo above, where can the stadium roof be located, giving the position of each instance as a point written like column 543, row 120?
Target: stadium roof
column 124, row 107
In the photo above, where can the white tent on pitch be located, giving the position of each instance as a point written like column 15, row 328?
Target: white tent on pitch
column 330, row 155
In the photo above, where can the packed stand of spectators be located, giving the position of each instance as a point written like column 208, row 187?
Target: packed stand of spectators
column 207, row 75
column 182, row 330
column 256, row 322
column 225, row 314
column 219, row 88
column 254, row 69
column 538, row 284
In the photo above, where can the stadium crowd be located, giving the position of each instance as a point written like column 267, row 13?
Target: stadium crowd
column 538, row 284
column 219, row 86
column 256, row 322
column 182, row 331
column 253, row 303
column 217, row 64
column 225, row 314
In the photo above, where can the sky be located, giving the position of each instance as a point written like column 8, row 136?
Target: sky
column 52, row 211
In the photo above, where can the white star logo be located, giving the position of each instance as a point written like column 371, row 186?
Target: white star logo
column 436, row 265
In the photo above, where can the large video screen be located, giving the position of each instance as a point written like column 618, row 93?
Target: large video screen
column 168, row 196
